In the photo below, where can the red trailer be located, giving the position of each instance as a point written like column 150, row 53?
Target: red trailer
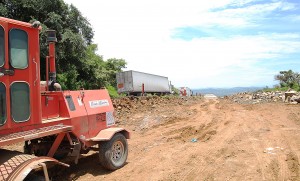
column 52, row 123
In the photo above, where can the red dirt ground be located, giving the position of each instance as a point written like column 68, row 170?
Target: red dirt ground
column 202, row 139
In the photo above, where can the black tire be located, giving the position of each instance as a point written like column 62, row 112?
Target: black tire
column 113, row 153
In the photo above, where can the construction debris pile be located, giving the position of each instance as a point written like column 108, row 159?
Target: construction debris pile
column 291, row 97
column 140, row 103
column 127, row 105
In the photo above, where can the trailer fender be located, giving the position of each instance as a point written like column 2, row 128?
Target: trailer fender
column 107, row 134
column 16, row 165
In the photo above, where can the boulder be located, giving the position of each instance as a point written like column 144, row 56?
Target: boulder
column 295, row 98
column 288, row 95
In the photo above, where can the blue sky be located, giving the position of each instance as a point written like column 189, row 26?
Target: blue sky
column 198, row 43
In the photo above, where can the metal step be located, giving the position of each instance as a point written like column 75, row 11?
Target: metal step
column 33, row 134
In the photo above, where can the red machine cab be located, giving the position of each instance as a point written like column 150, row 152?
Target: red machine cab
column 19, row 76
column 51, row 122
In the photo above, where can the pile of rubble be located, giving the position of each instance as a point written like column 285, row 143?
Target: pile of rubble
column 127, row 105
column 292, row 97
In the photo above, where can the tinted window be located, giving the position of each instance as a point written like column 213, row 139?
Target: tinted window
column 18, row 41
column 70, row 103
column 20, row 103
column 2, row 104
column 2, row 52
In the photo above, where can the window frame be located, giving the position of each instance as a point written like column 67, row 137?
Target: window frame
column 4, row 53
column 9, row 48
column 11, row 103
column 1, row 124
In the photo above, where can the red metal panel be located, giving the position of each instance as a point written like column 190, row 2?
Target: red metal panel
column 78, row 116
column 99, row 107
column 64, row 111
column 50, row 106
column 97, row 122
column 97, row 101
column 92, row 107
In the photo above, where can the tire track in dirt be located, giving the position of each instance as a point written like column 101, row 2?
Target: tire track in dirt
column 288, row 158
column 162, row 138
column 254, row 147
column 188, row 125
column 271, row 166
column 221, row 144
column 234, row 152
column 278, row 167
column 273, row 161
column 209, row 168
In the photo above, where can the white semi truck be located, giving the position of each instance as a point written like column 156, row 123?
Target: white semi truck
column 137, row 83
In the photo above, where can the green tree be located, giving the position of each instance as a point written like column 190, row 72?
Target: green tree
column 78, row 65
column 113, row 66
column 93, row 67
column 288, row 79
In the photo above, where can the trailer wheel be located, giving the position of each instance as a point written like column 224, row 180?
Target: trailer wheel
column 113, row 153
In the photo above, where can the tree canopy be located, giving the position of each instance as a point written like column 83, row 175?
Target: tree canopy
column 78, row 64
column 288, row 79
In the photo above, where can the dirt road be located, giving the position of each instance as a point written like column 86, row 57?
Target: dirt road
column 205, row 139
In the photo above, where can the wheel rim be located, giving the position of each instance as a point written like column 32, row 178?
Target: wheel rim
column 117, row 152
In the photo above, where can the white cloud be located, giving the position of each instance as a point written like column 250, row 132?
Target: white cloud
column 140, row 32
column 245, row 15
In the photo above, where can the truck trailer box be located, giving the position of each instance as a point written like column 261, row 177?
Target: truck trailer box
column 132, row 83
